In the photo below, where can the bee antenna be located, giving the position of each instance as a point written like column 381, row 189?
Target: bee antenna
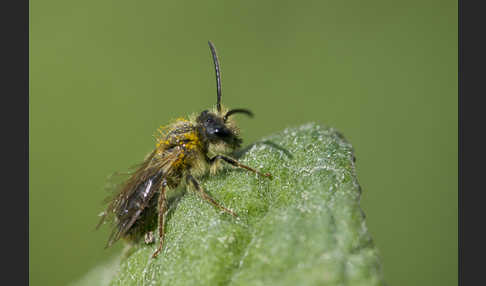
column 218, row 75
column 233, row 111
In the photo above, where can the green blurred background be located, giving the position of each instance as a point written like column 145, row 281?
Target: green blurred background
column 105, row 74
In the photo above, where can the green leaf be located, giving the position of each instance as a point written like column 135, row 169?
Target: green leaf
column 304, row 227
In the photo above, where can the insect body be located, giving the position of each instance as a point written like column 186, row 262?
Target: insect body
column 185, row 150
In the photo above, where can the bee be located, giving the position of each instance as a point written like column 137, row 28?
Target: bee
column 185, row 150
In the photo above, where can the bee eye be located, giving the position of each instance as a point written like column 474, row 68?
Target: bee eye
column 222, row 133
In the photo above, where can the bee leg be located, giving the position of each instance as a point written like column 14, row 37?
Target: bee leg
column 149, row 237
column 205, row 196
column 162, row 209
column 238, row 164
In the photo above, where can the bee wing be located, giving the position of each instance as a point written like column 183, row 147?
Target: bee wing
column 132, row 196
column 130, row 208
column 118, row 187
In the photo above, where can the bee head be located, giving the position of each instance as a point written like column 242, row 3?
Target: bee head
column 217, row 130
